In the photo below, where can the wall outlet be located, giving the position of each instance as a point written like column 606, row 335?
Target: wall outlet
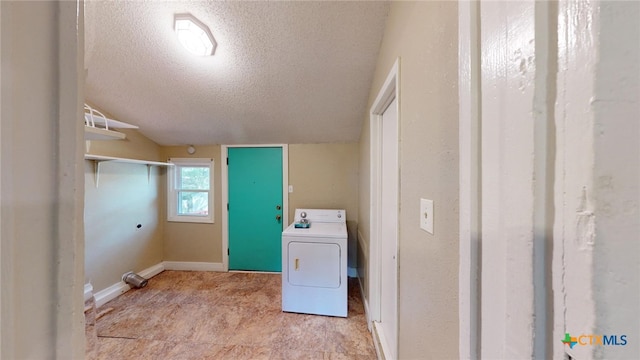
column 426, row 215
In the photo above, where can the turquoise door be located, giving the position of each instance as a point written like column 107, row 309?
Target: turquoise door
column 255, row 208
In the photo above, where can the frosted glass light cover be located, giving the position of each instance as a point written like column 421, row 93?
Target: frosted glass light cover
column 194, row 35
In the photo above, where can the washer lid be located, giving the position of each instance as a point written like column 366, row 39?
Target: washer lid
column 318, row 229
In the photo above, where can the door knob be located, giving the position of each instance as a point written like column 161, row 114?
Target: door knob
column 278, row 217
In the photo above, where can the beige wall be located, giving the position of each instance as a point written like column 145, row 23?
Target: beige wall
column 194, row 241
column 331, row 182
column 127, row 195
column 324, row 176
column 424, row 36
column 364, row 202
column 41, row 312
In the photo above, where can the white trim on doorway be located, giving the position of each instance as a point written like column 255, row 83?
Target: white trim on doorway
column 2, row 271
column 224, row 175
column 389, row 91
column 470, row 179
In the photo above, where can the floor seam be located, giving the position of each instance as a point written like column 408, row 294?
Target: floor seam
column 120, row 337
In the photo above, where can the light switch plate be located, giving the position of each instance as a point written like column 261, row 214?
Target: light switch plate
column 426, row 215
column 290, row 188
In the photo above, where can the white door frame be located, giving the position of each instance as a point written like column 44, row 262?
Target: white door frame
column 224, row 175
column 469, row 170
column 2, row 275
column 390, row 90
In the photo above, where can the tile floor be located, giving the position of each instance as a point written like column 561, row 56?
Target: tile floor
column 210, row 315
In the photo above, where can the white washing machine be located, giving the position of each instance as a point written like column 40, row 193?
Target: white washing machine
column 314, row 263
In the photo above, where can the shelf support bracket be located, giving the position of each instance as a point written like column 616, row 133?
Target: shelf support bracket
column 96, row 171
column 148, row 173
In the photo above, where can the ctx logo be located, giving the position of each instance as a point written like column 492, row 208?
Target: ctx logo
column 590, row 339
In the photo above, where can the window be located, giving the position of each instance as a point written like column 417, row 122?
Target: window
column 189, row 190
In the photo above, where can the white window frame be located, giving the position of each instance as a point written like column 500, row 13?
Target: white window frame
column 172, row 194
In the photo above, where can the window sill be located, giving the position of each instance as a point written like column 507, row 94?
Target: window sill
column 191, row 219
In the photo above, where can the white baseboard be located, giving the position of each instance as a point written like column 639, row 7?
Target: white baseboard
column 363, row 245
column 352, row 272
column 152, row 271
column 104, row 296
column 88, row 291
column 192, row 266
column 255, row 272
column 365, row 303
column 365, row 251
column 377, row 343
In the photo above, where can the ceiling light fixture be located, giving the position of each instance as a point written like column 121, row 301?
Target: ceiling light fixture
column 194, row 35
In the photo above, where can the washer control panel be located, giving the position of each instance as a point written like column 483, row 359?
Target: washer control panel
column 321, row 215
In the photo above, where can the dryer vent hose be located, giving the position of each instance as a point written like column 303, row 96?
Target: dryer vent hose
column 134, row 280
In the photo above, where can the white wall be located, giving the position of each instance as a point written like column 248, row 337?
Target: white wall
column 573, row 230
column 560, row 177
column 614, row 195
column 597, row 252
column 42, row 183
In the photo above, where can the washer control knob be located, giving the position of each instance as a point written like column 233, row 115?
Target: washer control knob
column 339, row 216
column 303, row 214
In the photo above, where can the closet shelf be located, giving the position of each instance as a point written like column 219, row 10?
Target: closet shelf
column 99, row 159
column 102, row 121
column 98, row 127
column 125, row 160
column 95, row 133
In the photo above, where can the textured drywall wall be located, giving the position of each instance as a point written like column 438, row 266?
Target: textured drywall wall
column 127, row 195
column 324, row 176
column 41, row 186
column 424, row 35
column 194, row 241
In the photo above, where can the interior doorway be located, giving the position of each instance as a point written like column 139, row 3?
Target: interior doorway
column 384, row 215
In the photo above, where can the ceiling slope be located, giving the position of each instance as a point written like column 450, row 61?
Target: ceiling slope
column 283, row 72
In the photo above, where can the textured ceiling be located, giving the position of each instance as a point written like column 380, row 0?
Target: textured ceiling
column 283, row 72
